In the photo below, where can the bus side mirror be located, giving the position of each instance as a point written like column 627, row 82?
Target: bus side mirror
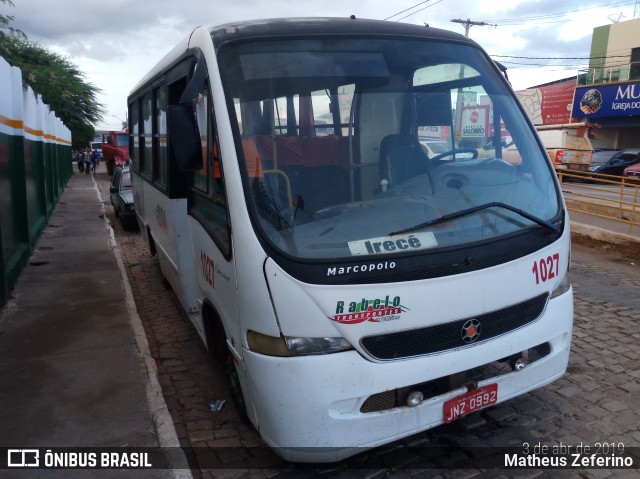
column 184, row 137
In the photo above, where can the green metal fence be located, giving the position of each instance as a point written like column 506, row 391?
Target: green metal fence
column 35, row 166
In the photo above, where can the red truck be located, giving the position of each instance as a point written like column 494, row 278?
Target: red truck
column 115, row 149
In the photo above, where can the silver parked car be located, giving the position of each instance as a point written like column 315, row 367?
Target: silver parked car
column 122, row 197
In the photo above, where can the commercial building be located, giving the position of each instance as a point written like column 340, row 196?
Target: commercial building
column 608, row 92
column 605, row 96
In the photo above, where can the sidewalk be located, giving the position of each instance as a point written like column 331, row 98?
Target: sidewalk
column 75, row 370
column 604, row 230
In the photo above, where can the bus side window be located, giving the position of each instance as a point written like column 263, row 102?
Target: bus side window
column 200, row 177
column 146, row 136
column 160, row 136
column 208, row 199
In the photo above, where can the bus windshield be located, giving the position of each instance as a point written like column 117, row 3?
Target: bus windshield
column 354, row 147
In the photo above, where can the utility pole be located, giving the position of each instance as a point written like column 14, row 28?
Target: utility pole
column 468, row 24
column 457, row 119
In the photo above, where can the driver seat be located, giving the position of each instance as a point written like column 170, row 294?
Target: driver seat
column 401, row 158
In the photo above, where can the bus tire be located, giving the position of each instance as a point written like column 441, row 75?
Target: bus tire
column 163, row 278
column 153, row 251
column 233, row 383
column 217, row 347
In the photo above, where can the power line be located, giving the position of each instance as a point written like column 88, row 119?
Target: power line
column 531, row 23
column 423, row 8
column 411, row 8
column 566, row 65
column 529, row 19
column 407, row 9
column 562, row 58
column 560, row 14
column 561, row 63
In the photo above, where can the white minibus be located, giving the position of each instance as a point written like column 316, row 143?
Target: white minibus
column 357, row 288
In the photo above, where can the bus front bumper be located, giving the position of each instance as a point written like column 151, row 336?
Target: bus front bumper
column 309, row 408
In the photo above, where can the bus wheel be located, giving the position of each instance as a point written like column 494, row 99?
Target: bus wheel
column 219, row 351
column 163, row 278
column 233, row 383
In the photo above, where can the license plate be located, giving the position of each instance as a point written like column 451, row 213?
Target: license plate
column 467, row 403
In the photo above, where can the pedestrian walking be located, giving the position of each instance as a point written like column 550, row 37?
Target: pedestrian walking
column 80, row 159
column 94, row 161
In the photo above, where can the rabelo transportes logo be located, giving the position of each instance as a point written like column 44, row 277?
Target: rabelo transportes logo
column 372, row 310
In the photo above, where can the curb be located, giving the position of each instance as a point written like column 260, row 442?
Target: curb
column 165, row 429
column 602, row 235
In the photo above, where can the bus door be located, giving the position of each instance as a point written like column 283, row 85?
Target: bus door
column 164, row 215
column 210, row 231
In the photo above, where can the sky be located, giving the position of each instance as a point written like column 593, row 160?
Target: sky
column 115, row 42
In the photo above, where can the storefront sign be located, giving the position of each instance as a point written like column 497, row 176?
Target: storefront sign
column 607, row 100
column 474, row 121
column 548, row 105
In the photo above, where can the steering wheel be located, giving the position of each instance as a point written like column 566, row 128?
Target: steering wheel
column 455, row 152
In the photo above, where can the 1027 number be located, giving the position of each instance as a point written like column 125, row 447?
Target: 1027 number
column 546, row 268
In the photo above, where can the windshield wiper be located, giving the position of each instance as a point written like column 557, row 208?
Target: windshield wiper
column 458, row 214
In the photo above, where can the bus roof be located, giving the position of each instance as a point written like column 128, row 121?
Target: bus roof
column 309, row 27
column 303, row 27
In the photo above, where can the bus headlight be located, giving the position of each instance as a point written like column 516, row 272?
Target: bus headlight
column 293, row 346
column 308, row 346
column 562, row 288
column 269, row 345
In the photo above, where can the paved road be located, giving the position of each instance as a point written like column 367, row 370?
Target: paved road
column 596, row 402
column 606, row 275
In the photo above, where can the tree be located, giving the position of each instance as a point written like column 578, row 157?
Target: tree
column 5, row 22
column 60, row 83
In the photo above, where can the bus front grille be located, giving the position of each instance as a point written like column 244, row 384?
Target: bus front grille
column 443, row 337
column 394, row 398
